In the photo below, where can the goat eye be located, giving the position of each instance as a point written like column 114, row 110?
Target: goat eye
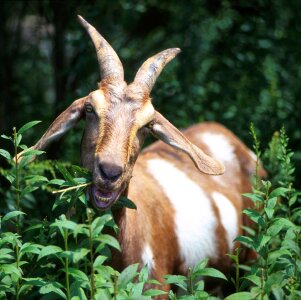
column 89, row 108
column 149, row 124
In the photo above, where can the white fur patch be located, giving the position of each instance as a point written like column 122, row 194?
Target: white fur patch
column 148, row 257
column 194, row 217
column 253, row 155
column 219, row 146
column 228, row 216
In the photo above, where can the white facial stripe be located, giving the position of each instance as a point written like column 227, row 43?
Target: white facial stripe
column 148, row 257
column 98, row 99
column 219, row 146
column 145, row 114
column 194, row 217
column 228, row 216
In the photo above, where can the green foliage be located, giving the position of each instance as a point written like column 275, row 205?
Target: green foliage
column 65, row 255
column 277, row 272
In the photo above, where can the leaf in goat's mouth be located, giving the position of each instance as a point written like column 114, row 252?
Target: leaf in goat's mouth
column 103, row 200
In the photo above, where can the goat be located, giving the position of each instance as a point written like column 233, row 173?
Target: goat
column 183, row 215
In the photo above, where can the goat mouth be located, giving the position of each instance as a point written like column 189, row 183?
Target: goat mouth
column 103, row 200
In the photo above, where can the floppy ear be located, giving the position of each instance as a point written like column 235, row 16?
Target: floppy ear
column 65, row 121
column 165, row 131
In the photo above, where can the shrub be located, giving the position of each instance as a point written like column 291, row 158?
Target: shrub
column 60, row 251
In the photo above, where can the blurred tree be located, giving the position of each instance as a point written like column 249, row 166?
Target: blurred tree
column 241, row 61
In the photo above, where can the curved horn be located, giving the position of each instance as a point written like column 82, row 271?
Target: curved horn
column 151, row 69
column 109, row 62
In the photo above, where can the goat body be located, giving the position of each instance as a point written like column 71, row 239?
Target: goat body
column 182, row 215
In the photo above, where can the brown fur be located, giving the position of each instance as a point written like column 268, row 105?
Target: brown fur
column 152, row 205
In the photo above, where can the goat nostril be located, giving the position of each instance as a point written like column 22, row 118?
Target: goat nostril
column 109, row 171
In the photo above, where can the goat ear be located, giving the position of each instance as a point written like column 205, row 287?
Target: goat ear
column 65, row 121
column 165, row 131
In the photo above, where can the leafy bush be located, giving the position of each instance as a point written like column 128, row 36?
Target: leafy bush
column 62, row 251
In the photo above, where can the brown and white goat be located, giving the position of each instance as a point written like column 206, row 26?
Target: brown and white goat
column 183, row 215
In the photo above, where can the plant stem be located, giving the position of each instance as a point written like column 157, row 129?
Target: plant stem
column 71, row 188
column 190, row 287
column 17, row 264
column 115, row 286
column 262, row 283
column 92, row 282
column 17, row 184
column 67, row 264
column 237, row 270
column 17, row 187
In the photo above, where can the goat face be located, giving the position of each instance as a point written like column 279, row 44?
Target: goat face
column 117, row 118
column 116, row 124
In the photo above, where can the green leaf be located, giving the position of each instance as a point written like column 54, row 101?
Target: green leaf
column 100, row 259
column 35, row 179
column 36, row 281
column 31, row 152
column 108, row 240
column 278, row 225
column 281, row 191
column 254, row 215
column 79, row 275
column 211, row 272
column 29, row 248
column 18, row 139
column 269, row 212
column 261, row 241
column 103, row 294
column 66, row 224
column 27, row 126
column 274, row 255
column 137, row 290
column 81, row 229
column 6, row 137
column 5, row 154
column 10, row 177
column 245, row 240
column 143, row 274
column 6, row 254
column 254, row 197
column 57, row 181
column 127, row 275
column 201, row 265
column 153, row 293
column 76, row 255
column 34, row 227
column 49, row 250
column 272, row 202
column 52, row 287
column 12, row 214
column 9, row 269
column 240, row 296
column 80, row 294
column 178, row 280
column 30, row 282
column 98, row 224
column 125, row 202
column 254, row 278
column 67, row 175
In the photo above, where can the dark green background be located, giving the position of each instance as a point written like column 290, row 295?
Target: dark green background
column 241, row 62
